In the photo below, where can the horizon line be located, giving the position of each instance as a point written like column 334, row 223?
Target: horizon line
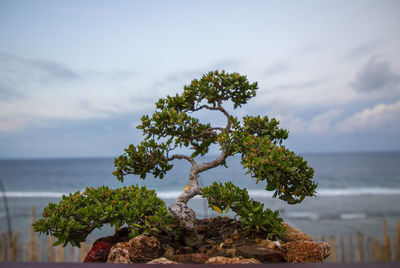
column 108, row 157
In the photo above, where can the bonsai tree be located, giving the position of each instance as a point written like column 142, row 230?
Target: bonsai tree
column 172, row 126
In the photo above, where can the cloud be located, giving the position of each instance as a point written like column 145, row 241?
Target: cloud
column 376, row 75
column 300, row 85
column 19, row 76
column 364, row 49
column 323, row 123
column 7, row 93
column 32, row 92
column 382, row 117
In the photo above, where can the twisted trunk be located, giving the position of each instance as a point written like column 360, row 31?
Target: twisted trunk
column 181, row 211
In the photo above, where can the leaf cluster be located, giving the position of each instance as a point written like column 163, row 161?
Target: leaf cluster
column 217, row 87
column 78, row 214
column 225, row 197
column 264, row 127
column 147, row 157
column 178, row 127
column 284, row 171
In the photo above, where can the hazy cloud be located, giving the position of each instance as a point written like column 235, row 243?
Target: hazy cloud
column 323, row 122
column 300, row 85
column 35, row 69
column 376, row 75
column 379, row 118
column 7, row 93
column 47, row 90
column 18, row 75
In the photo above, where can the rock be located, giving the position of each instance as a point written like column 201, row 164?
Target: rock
column 98, row 253
column 214, row 233
column 139, row 249
column 189, row 258
column 235, row 235
column 225, row 260
column 326, row 249
column 257, row 240
column 162, row 261
column 101, row 247
column 203, row 249
column 226, row 219
column 260, row 253
column 228, row 242
column 119, row 253
column 292, row 234
column 231, row 252
column 168, row 251
column 305, row 251
column 201, row 228
column 144, row 248
column 211, row 242
column 268, row 244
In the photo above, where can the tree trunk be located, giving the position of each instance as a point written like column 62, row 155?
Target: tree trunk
column 180, row 210
column 185, row 215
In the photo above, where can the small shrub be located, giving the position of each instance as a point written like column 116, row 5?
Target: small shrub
column 78, row 214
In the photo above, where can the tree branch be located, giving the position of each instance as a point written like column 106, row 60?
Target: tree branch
column 212, row 164
column 181, row 156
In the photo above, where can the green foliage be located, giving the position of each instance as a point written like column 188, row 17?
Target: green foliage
column 284, row 171
column 263, row 127
column 258, row 142
column 78, row 214
column 148, row 157
column 230, row 197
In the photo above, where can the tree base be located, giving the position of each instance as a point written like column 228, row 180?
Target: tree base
column 222, row 240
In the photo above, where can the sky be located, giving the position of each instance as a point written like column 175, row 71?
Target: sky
column 76, row 76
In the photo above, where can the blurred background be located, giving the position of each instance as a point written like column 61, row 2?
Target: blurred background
column 75, row 78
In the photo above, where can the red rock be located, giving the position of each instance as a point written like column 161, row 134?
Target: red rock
column 305, row 251
column 225, row 260
column 98, row 253
column 101, row 247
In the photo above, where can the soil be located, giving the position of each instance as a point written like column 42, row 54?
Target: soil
column 219, row 236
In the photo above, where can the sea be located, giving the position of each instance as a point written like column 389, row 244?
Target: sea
column 356, row 191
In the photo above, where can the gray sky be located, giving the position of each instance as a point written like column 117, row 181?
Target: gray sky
column 76, row 76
